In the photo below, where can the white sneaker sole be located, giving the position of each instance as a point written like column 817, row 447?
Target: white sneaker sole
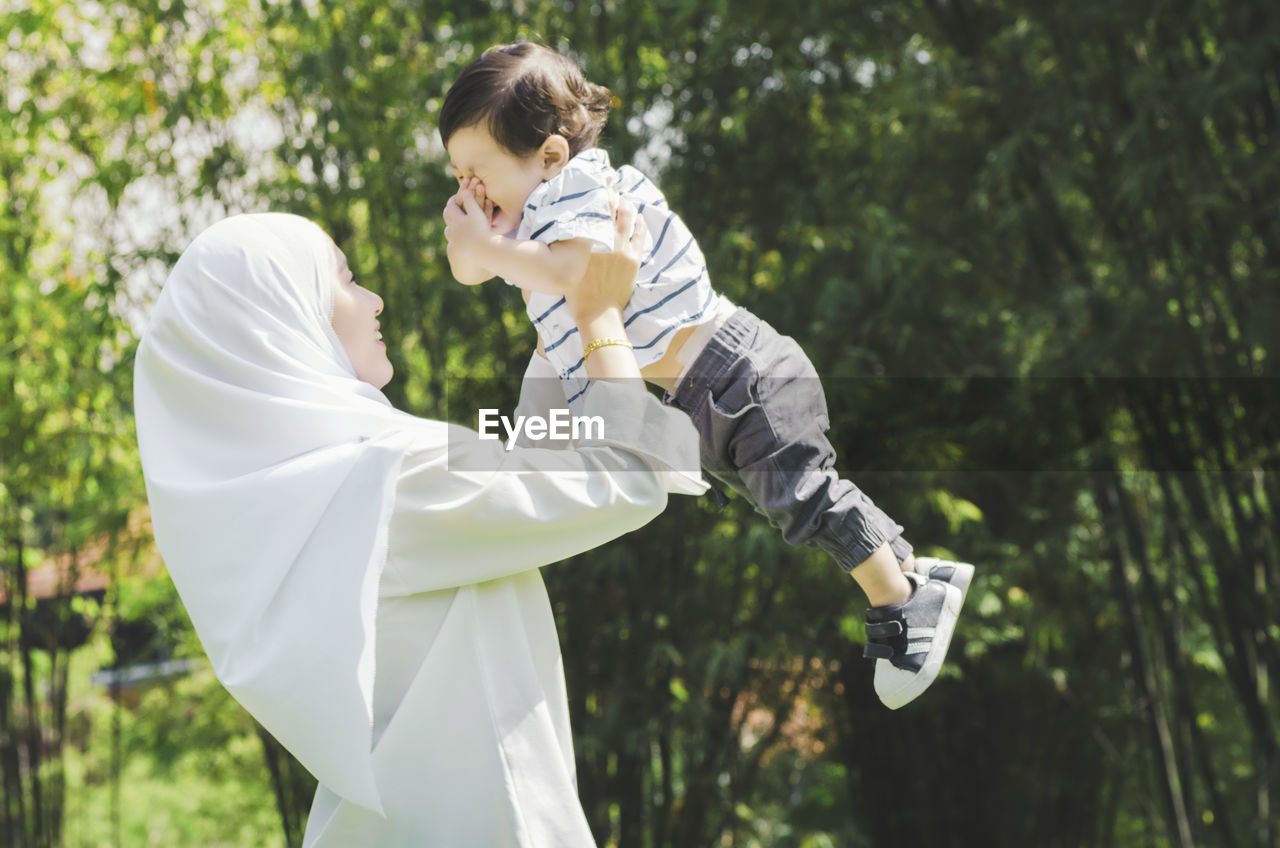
column 896, row 687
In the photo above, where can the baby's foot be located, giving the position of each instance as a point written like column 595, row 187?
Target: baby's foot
column 909, row 641
column 958, row 574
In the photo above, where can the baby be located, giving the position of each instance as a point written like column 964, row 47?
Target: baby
column 536, row 197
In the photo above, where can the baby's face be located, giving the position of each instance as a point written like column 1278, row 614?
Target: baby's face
column 507, row 179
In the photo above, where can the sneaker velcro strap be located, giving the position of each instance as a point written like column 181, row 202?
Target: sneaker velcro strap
column 876, row 651
column 883, row 629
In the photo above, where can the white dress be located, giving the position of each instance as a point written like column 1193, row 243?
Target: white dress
column 472, row 745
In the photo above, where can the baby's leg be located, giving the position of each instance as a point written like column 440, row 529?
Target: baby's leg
column 760, row 409
column 763, row 420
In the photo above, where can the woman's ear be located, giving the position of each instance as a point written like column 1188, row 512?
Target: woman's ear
column 554, row 154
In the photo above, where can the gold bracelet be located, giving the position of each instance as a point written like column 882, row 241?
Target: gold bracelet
column 595, row 345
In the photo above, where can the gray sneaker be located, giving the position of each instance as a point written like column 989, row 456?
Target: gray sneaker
column 909, row 641
column 958, row 574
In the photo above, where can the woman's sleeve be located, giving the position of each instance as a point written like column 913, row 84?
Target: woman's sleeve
column 472, row 511
column 540, row 392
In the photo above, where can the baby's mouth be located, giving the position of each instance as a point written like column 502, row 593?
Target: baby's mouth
column 493, row 216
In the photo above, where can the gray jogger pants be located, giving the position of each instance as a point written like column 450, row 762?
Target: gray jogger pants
column 759, row 407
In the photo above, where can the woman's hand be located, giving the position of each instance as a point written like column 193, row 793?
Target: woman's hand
column 610, row 277
column 596, row 303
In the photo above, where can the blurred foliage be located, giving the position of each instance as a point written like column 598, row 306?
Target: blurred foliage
column 1031, row 248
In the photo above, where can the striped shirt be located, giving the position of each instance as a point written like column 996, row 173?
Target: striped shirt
column 672, row 289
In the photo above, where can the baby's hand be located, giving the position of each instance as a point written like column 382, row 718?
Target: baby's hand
column 466, row 218
column 477, row 188
column 466, row 226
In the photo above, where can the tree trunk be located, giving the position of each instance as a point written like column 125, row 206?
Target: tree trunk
column 1177, row 824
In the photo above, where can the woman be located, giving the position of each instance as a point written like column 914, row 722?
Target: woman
column 365, row 582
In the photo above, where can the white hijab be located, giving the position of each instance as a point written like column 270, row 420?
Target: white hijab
column 271, row 472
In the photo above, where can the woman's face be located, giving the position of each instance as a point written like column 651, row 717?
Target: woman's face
column 355, row 321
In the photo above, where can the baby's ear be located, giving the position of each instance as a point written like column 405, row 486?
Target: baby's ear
column 554, row 154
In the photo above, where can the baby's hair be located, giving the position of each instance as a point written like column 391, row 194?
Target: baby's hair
column 524, row 93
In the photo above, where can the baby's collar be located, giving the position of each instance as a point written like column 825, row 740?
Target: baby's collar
column 593, row 154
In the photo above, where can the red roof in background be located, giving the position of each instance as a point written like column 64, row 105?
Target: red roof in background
column 65, row 576
column 53, row 580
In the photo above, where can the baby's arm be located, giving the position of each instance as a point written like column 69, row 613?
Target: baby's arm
column 476, row 253
column 534, row 266
column 466, row 272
